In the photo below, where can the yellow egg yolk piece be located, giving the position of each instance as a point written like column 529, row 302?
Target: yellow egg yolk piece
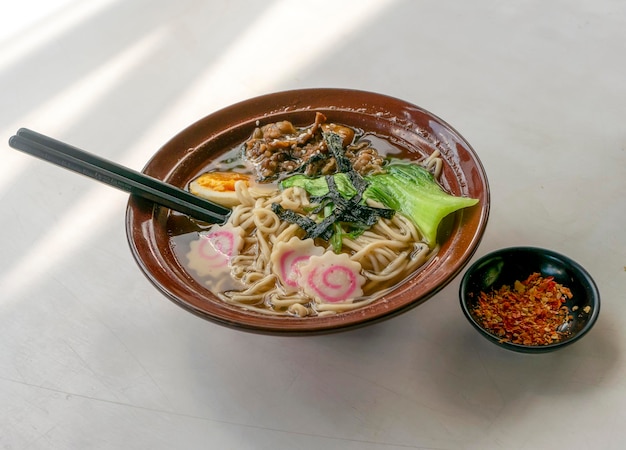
column 219, row 187
column 221, row 181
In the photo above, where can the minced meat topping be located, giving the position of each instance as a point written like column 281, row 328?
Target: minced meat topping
column 280, row 149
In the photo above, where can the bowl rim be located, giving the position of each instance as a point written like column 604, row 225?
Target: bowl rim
column 140, row 213
column 580, row 271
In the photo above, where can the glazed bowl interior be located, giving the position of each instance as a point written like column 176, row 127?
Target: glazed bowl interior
column 505, row 266
column 407, row 126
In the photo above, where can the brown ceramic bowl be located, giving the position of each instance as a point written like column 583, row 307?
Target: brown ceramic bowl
column 406, row 125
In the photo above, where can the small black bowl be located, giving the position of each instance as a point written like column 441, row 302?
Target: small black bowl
column 505, row 266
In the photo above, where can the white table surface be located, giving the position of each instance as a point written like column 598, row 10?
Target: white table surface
column 92, row 356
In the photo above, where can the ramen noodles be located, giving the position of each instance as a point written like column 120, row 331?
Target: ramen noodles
column 314, row 228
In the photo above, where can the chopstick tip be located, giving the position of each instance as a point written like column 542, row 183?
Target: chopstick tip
column 22, row 131
column 12, row 140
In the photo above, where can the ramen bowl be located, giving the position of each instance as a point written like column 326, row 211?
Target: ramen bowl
column 506, row 266
column 408, row 127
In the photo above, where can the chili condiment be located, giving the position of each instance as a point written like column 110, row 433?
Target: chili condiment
column 529, row 313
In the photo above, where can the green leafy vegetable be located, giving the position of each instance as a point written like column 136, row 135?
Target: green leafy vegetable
column 318, row 186
column 344, row 230
column 413, row 191
column 339, row 200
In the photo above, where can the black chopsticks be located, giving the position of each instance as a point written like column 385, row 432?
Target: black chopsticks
column 120, row 177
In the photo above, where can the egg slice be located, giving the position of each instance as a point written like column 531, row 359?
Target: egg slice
column 218, row 187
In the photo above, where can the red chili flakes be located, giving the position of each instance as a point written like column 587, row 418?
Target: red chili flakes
column 529, row 313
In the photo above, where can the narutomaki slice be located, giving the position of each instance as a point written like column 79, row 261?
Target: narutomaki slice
column 288, row 257
column 332, row 278
column 212, row 252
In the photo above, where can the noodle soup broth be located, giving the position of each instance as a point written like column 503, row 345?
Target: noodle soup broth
column 386, row 253
column 159, row 239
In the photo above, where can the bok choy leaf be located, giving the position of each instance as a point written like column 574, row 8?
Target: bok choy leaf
column 413, row 191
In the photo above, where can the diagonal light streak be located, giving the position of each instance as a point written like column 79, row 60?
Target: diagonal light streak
column 233, row 72
column 80, row 223
column 274, row 49
column 28, row 25
column 69, row 105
